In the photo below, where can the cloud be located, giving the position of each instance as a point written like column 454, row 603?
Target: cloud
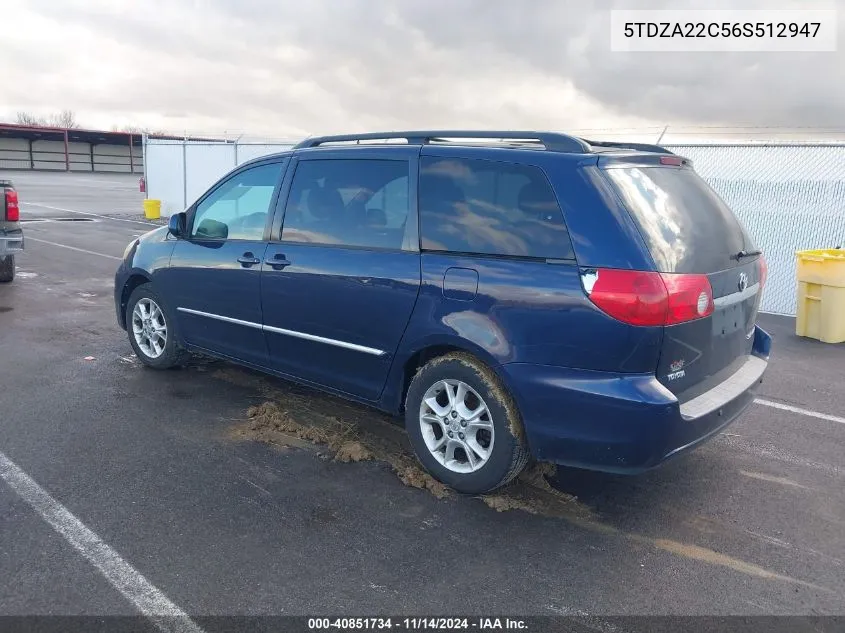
column 293, row 67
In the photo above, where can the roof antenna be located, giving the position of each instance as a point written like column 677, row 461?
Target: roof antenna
column 660, row 138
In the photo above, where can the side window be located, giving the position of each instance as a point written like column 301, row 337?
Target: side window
column 348, row 203
column 489, row 208
column 237, row 210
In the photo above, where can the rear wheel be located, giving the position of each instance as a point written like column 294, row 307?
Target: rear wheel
column 7, row 268
column 463, row 425
column 152, row 330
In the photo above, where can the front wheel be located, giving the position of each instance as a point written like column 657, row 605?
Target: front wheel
column 463, row 425
column 7, row 268
column 151, row 330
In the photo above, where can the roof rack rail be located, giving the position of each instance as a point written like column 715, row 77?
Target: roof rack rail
column 551, row 141
column 642, row 147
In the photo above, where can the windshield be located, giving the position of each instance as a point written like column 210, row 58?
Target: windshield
column 686, row 225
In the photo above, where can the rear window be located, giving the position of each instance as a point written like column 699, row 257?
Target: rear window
column 489, row 208
column 686, row 225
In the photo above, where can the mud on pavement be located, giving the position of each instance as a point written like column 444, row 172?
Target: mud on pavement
column 293, row 417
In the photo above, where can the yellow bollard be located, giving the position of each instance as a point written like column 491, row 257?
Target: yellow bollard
column 152, row 209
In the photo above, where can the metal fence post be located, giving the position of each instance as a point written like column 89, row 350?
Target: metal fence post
column 185, row 173
column 131, row 156
column 144, row 139
column 67, row 155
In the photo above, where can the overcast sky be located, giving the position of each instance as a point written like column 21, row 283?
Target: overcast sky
column 285, row 68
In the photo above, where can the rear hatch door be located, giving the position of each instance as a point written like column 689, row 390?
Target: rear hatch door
column 689, row 229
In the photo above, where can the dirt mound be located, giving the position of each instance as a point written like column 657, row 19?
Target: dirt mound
column 295, row 416
column 276, row 421
column 416, row 477
column 352, row 451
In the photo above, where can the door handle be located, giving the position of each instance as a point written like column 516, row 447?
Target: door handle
column 248, row 259
column 278, row 262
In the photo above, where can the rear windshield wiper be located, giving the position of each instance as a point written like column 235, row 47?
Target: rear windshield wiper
column 744, row 253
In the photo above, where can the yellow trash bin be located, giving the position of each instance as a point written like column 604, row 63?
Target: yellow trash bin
column 152, row 209
column 821, row 295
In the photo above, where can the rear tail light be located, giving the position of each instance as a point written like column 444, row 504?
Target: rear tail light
column 764, row 270
column 13, row 213
column 690, row 297
column 649, row 298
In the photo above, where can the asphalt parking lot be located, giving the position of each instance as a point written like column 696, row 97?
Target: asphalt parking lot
column 159, row 466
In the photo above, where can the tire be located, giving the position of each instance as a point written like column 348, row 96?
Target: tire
column 7, row 268
column 170, row 354
column 508, row 454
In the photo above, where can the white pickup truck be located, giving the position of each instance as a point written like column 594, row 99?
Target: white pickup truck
column 11, row 233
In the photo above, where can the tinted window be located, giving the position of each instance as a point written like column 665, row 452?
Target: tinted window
column 687, row 227
column 491, row 208
column 237, row 209
column 348, row 202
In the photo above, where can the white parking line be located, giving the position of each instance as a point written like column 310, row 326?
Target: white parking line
column 151, row 602
column 95, row 215
column 807, row 412
column 72, row 248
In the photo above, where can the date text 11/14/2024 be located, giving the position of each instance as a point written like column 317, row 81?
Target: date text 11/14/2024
column 418, row 624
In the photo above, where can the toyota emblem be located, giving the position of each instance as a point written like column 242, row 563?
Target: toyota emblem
column 743, row 281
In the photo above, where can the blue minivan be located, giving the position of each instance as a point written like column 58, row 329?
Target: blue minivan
column 512, row 295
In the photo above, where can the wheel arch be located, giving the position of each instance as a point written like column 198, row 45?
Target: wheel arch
column 416, row 356
column 135, row 279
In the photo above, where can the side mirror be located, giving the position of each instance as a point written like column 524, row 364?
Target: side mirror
column 177, row 224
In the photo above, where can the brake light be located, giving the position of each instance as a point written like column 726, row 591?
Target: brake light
column 690, row 297
column 649, row 298
column 674, row 161
column 764, row 270
column 13, row 213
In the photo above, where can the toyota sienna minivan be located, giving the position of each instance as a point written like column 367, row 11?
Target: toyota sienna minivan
column 511, row 295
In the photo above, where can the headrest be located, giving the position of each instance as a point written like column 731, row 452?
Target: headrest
column 324, row 203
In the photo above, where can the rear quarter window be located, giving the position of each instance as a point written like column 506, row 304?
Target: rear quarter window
column 687, row 227
column 489, row 208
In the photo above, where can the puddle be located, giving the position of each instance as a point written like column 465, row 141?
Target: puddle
column 25, row 275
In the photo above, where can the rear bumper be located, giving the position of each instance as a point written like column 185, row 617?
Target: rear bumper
column 11, row 242
column 624, row 423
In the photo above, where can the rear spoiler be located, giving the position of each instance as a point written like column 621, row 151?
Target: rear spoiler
column 640, row 147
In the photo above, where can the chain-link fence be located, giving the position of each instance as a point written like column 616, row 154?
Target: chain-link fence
column 789, row 197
